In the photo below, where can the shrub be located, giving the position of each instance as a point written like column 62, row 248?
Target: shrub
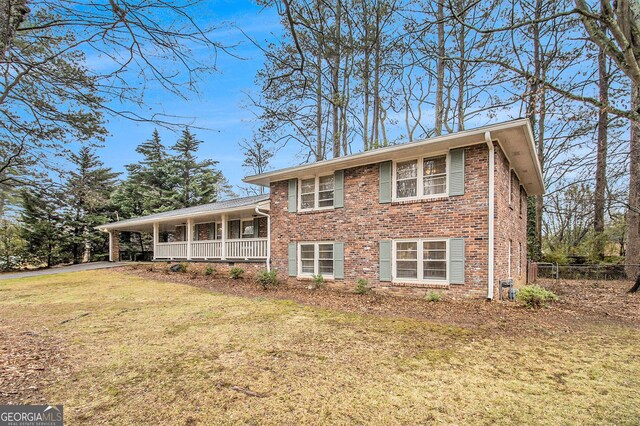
column 433, row 296
column 178, row 267
column 266, row 279
column 534, row 296
column 210, row 270
column 236, row 273
column 362, row 286
column 318, row 281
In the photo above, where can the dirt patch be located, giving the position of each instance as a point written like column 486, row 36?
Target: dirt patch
column 30, row 361
column 582, row 303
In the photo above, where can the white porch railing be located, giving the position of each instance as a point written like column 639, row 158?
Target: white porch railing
column 171, row 250
column 250, row 248
column 206, row 249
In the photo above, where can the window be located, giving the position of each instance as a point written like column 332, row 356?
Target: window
column 519, row 259
column 316, row 259
column 316, row 192
column 523, row 200
column 433, row 182
column 219, row 231
column 434, row 175
column 247, row 229
column 420, row 260
column 510, row 188
column 509, row 258
column 407, row 179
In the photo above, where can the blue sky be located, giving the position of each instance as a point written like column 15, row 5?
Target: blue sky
column 221, row 105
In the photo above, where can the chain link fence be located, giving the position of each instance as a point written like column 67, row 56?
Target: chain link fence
column 555, row 271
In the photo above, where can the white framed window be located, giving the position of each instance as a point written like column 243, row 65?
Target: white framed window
column 316, row 193
column 510, row 244
column 315, row 258
column 422, row 177
column 247, row 228
column 519, row 259
column 420, row 260
column 218, row 231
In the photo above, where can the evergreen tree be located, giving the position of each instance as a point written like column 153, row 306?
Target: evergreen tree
column 11, row 245
column 88, row 191
column 195, row 182
column 42, row 225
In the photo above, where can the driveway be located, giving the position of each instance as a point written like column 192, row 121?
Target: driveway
column 62, row 270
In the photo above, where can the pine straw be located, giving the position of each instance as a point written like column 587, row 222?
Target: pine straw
column 141, row 351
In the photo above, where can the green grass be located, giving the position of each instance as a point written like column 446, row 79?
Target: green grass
column 162, row 353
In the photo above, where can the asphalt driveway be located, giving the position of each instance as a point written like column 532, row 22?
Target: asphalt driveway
column 62, row 270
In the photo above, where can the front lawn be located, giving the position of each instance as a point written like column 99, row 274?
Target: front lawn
column 121, row 349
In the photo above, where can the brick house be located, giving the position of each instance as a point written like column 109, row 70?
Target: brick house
column 447, row 213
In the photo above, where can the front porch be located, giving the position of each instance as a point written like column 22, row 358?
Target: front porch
column 234, row 230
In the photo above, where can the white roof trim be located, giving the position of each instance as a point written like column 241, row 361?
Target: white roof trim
column 534, row 185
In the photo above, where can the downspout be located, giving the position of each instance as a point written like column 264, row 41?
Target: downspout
column 487, row 138
column 268, row 236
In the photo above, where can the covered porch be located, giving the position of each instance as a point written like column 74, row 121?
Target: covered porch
column 233, row 230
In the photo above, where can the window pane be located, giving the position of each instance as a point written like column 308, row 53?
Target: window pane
column 407, row 250
column 325, row 251
column 308, row 186
column 326, row 267
column 407, row 169
column 218, row 231
column 435, row 185
column 307, row 201
column 435, row 166
column 247, row 229
column 406, row 188
column 307, row 266
column 434, row 270
column 306, row 251
column 407, row 269
column 326, row 183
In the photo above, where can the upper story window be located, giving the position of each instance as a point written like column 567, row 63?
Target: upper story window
column 424, row 177
column 316, row 192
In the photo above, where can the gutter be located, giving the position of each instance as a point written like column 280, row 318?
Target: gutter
column 490, row 273
column 257, row 210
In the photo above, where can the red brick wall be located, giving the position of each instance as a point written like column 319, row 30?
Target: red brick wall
column 510, row 224
column 115, row 246
column 363, row 222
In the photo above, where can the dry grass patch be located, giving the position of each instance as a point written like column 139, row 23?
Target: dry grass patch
column 142, row 351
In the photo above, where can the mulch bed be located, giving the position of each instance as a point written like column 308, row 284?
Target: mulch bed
column 30, row 361
column 582, row 303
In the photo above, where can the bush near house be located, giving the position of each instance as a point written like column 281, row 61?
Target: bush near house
column 433, row 296
column 266, row 279
column 209, row 271
column 236, row 273
column 362, row 286
column 534, row 296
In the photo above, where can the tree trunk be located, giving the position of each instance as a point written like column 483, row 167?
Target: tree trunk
column 319, row 143
column 633, row 213
column 601, row 159
column 335, row 82
column 440, row 71
column 462, row 68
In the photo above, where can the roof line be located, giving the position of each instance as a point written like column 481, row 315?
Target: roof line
column 379, row 151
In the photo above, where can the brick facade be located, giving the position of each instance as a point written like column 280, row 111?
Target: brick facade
column 114, row 247
column 363, row 222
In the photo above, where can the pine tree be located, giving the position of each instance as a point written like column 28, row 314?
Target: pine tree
column 42, row 225
column 195, row 182
column 88, row 191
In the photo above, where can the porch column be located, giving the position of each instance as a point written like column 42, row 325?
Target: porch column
column 224, row 237
column 189, row 237
column 114, row 246
column 156, row 237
